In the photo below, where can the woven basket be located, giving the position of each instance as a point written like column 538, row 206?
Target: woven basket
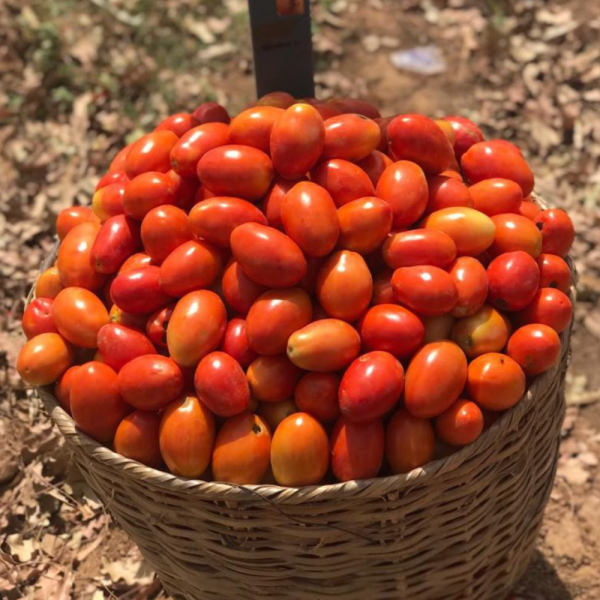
column 461, row 528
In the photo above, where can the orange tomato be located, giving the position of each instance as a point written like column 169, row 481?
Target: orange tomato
column 110, row 178
column 71, row 217
column 239, row 290
column 150, row 153
column 461, row 424
column 164, row 229
column 438, row 327
column 374, row 165
column 235, row 343
column 48, row 284
column 471, row 282
column 118, row 162
column 253, row 126
column 62, row 389
column 513, row 280
column 274, row 199
column 409, row 442
column 350, row 137
column 272, row 378
column 278, row 99
column 535, row 347
column 37, row 318
column 343, row 180
column 485, row 331
column 44, row 358
column 448, row 130
column 135, row 262
column 137, row 438
column 147, row 191
column 549, row 307
column 117, row 345
column 529, row 209
column 496, row 196
column 419, row 247
column 513, row 233
column 178, row 123
column 554, row 272
column 317, row 395
column 557, row 231
column 364, row 224
column 156, row 326
column 194, row 144
column 275, row 412
column 108, row 201
column 447, row 192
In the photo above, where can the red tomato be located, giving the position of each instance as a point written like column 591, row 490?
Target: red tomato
column 108, row 201
column 48, row 283
column 357, row 449
column 324, row 346
column 267, row 256
column 37, row 318
column 529, row 209
column 513, row 279
column 485, row 331
column 309, row 282
column 110, row 178
column 156, row 326
column 471, row 282
column 356, row 106
column 150, row 153
column 383, row 292
column 419, row 247
column 466, row 133
column 409, row 442
column 272, row 378
column 325, row 109
column 317, row 395
column 242, row 452
column 374, row 165
column 505, row 145
column 137, row 438
column 71, row 217
column 278, row 99
column 495, row 381
column 554, row 272
column 350, row 137
column 275, row 412
column 75, row 262
column 185, row 190
column 496, row 196
column 364, row 224
column 461, row 424
column 299, row 451
column 383, row 123
column 404, row 187
column 139, row 291
column 211, row 112
column 252, row 127
column 557, row 231
column 549, row 307
column 239, row 290
column 535, row 347
column 119, row 317
column 96, row 404
column 118, row 238
column 164, row 229
column 435, row 379
column 44, row 358
column 147, row 191
column 178, row 123
column 344, row 180
column 391, row 328
column 447, row 192
column 136, row 261
column 235, row 343
column 426, row 290
column 420, row 140
column 118, row 162
column 62, row 389
column 447, row 128
column 371, row 387
column 513, row 233
column 119, row 345
column 274, row 199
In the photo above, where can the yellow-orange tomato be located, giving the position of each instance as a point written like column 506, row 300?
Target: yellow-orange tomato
column 435, row 379
column 461, row 424
column 344, row 285
column 419, row 247
column 471, row 282
column 48, row 284
column 275, row 412
column 535, row 347
column 495, row 381
column 79, row 315
column 186, row 436
column 299, row 451
column 374, row 165
column 150, row 153
column 425, row 290
column 252, row 127
column 409, row 442
column 196, row 327
column 438, row 327
column 71, row 217
column 272, row 378
column 44, row 358
column 137, row 438
column 325, row 345
column 364, row 224
column 108, row 201
column 62, row 389
column 164, row 228
column 75, row 262
column 344, row 180
column 194, row 144
column 472, row 231
column 242, row 452
column 515, row 233
column 350, row 137
column 496, row 196
column 485, row 331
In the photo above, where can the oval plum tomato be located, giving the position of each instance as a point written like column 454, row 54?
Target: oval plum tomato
column 485, row 331
column 274, row 412
column 252, row 127
column 529, row 209
column 108, row 201
column 513, row 233
column 426, row 290
column 448, row 130
column 325, row 109
column 419, row 247
column 156, row 326
column 75, row 262
column 356, row 106
column 404, row 187
column 447, row 192
column 461, row 424
column 274, row 199
column 37, row 318
column 186, row 436
column 118, row 238
column 62, row 389
column 44, row 358
column 239, row 290
column 221, row 384
column 96, row 404
column 272, row 378
column 435, row 379
column 310, row 218
column 211, row 112
column 486, row 160
column 118, row 345
column 466, row 133
column 374, row 165
column 118, row 162
column 496, row 196
column 391, row 328
column 48, row 283
column 549, row 307
column 196, row 327
column 137, row 438
column 383, row 292
column 268, row 256
column 535, row 347
column 438, row 327
column 554, row 272
column 371, row 387
column 513, row 280
column 164, row 229
column 71, row 217
column 120, row 317
column 299, row 451
column 505, row 145
column 139, row 291
column 324, row 346
column 471, row 282
column 278, row 99
column 472, row 231
column 364, row 224
column 419, row 139
column 150, row 153
column 274, row 316
column 409, row 442
column 317, row 395
column 242, row 452
column 110, row 178
column 495, row 381
column 344, row 180
column 136, row 261
column 215, row 219
column 235, row 343
column 350, row 137
column 557, row 231
column 357, row 449
column 147, row 191
column 178, row 123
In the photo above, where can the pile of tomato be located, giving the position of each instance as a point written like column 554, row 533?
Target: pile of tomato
column 307, row 292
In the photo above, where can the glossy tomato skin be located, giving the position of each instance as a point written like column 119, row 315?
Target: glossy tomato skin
column 150, row 153
column 485, row 331
column 513, row 279
column 383, row 292
column 71, row 217
column 447, row 192
column 535, row 347
column 279, row 99
column 117, row 239
column 252, row 127
column 514, row 232
column 496, row 196
column 419, row 247
column 238, row 171
column 419, row 139
column 324, row 346
column 163, row 230
column 186, row 437
column 344, row 180
column 549, row 307
column 211, row 112
column 239, row 290
column 272, row 378
column 371, row 387
column 136, row 261
column 404, row 187
column 374, row 165
column 355, row 106
column 156, row 326
column 147, row 191
column 118, row 162
column 37, row 318
column 235, row 343
column 299, row 451
column 110, row 178
column 273, row 200
column 409, row 442
column 357, row 449
column 557, row 231
column 119, row 345
column 242, row 451
column 108, row 200
column 344, row 285
column 317, row 395
column 391, row 328
column 461, row 424
column 139, row 291
column 62, row 389
column 44, row 358
column 196, row 327
column 275, row 316
column 178, row 123
column 438, row 327
column 364, row 224
column 267, row 256
column 495, row 381
column 133, row 321
column 48, row 284
column 529, row 209
column 274, row 412
column 554, row 272
column 435, row 379
column 96, row 404
column 350, row 137
column 471, row 282
column 426, row 290
column 325, row 109
column 137, row 438
column 466, row 133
